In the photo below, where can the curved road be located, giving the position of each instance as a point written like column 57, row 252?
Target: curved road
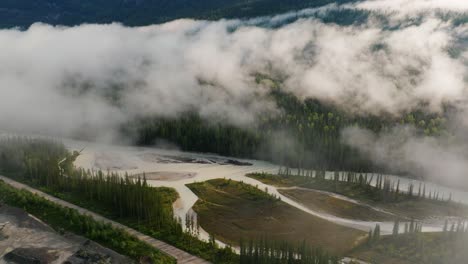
column 181, row 256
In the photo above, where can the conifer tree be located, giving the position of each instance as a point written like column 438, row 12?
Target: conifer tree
column 396, row 227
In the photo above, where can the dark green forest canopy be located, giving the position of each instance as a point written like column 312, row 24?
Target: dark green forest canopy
column 23, row 13
column 305, row 134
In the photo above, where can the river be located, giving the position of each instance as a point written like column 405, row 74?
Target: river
column 188, row 167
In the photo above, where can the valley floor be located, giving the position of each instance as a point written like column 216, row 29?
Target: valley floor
column 421, row 248
column 359, row 202
column 234, row 210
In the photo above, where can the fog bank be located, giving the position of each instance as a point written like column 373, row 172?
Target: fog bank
column 92, row 78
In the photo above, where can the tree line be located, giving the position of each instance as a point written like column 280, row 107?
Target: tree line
column 69, row 220
column 265, row 251
column 414, row 246
column 375, row 186
column 21, row 13
column 49, row 165
column 305, row 134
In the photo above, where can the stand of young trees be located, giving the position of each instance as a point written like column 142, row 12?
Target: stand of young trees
column 411, row 245
column 49, row 165
column 128, row 198
column 376, row 186
column 291, row 138
column 265, row 251
column 66, row 219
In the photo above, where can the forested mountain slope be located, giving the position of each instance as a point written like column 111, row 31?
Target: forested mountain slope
column 367, row 86
column 306, row 134
column 23, row 13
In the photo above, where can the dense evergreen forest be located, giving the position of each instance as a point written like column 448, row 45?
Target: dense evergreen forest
column 304, row 134
column 23, row 13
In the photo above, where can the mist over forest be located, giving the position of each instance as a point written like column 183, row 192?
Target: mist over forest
column 403, row 64
column 234, row 131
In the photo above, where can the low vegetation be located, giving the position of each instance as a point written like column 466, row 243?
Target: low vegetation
column 414, row 202
column 323, row 202
column 417, row 248
column 233, row 211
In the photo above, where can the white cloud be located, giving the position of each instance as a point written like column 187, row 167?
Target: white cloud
column 94, row 77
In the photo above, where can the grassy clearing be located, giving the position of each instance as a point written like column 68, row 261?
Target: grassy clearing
column 279, row 180
column 419, row 248
column 335, row 206
column 233, row 210
column 404, row 206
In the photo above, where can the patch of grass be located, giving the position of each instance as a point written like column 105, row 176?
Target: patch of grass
column 404, row 206
column 417, row 248
column 335, row 206
column 233, row 210
column 279, row 180
column 421, row 209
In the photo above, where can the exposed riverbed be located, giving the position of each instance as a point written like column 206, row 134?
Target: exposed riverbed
column 176, row 169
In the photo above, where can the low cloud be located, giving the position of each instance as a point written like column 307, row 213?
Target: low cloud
column 90, row 79
column 443, row 159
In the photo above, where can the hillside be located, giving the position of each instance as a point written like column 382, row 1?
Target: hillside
column 23, row 13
